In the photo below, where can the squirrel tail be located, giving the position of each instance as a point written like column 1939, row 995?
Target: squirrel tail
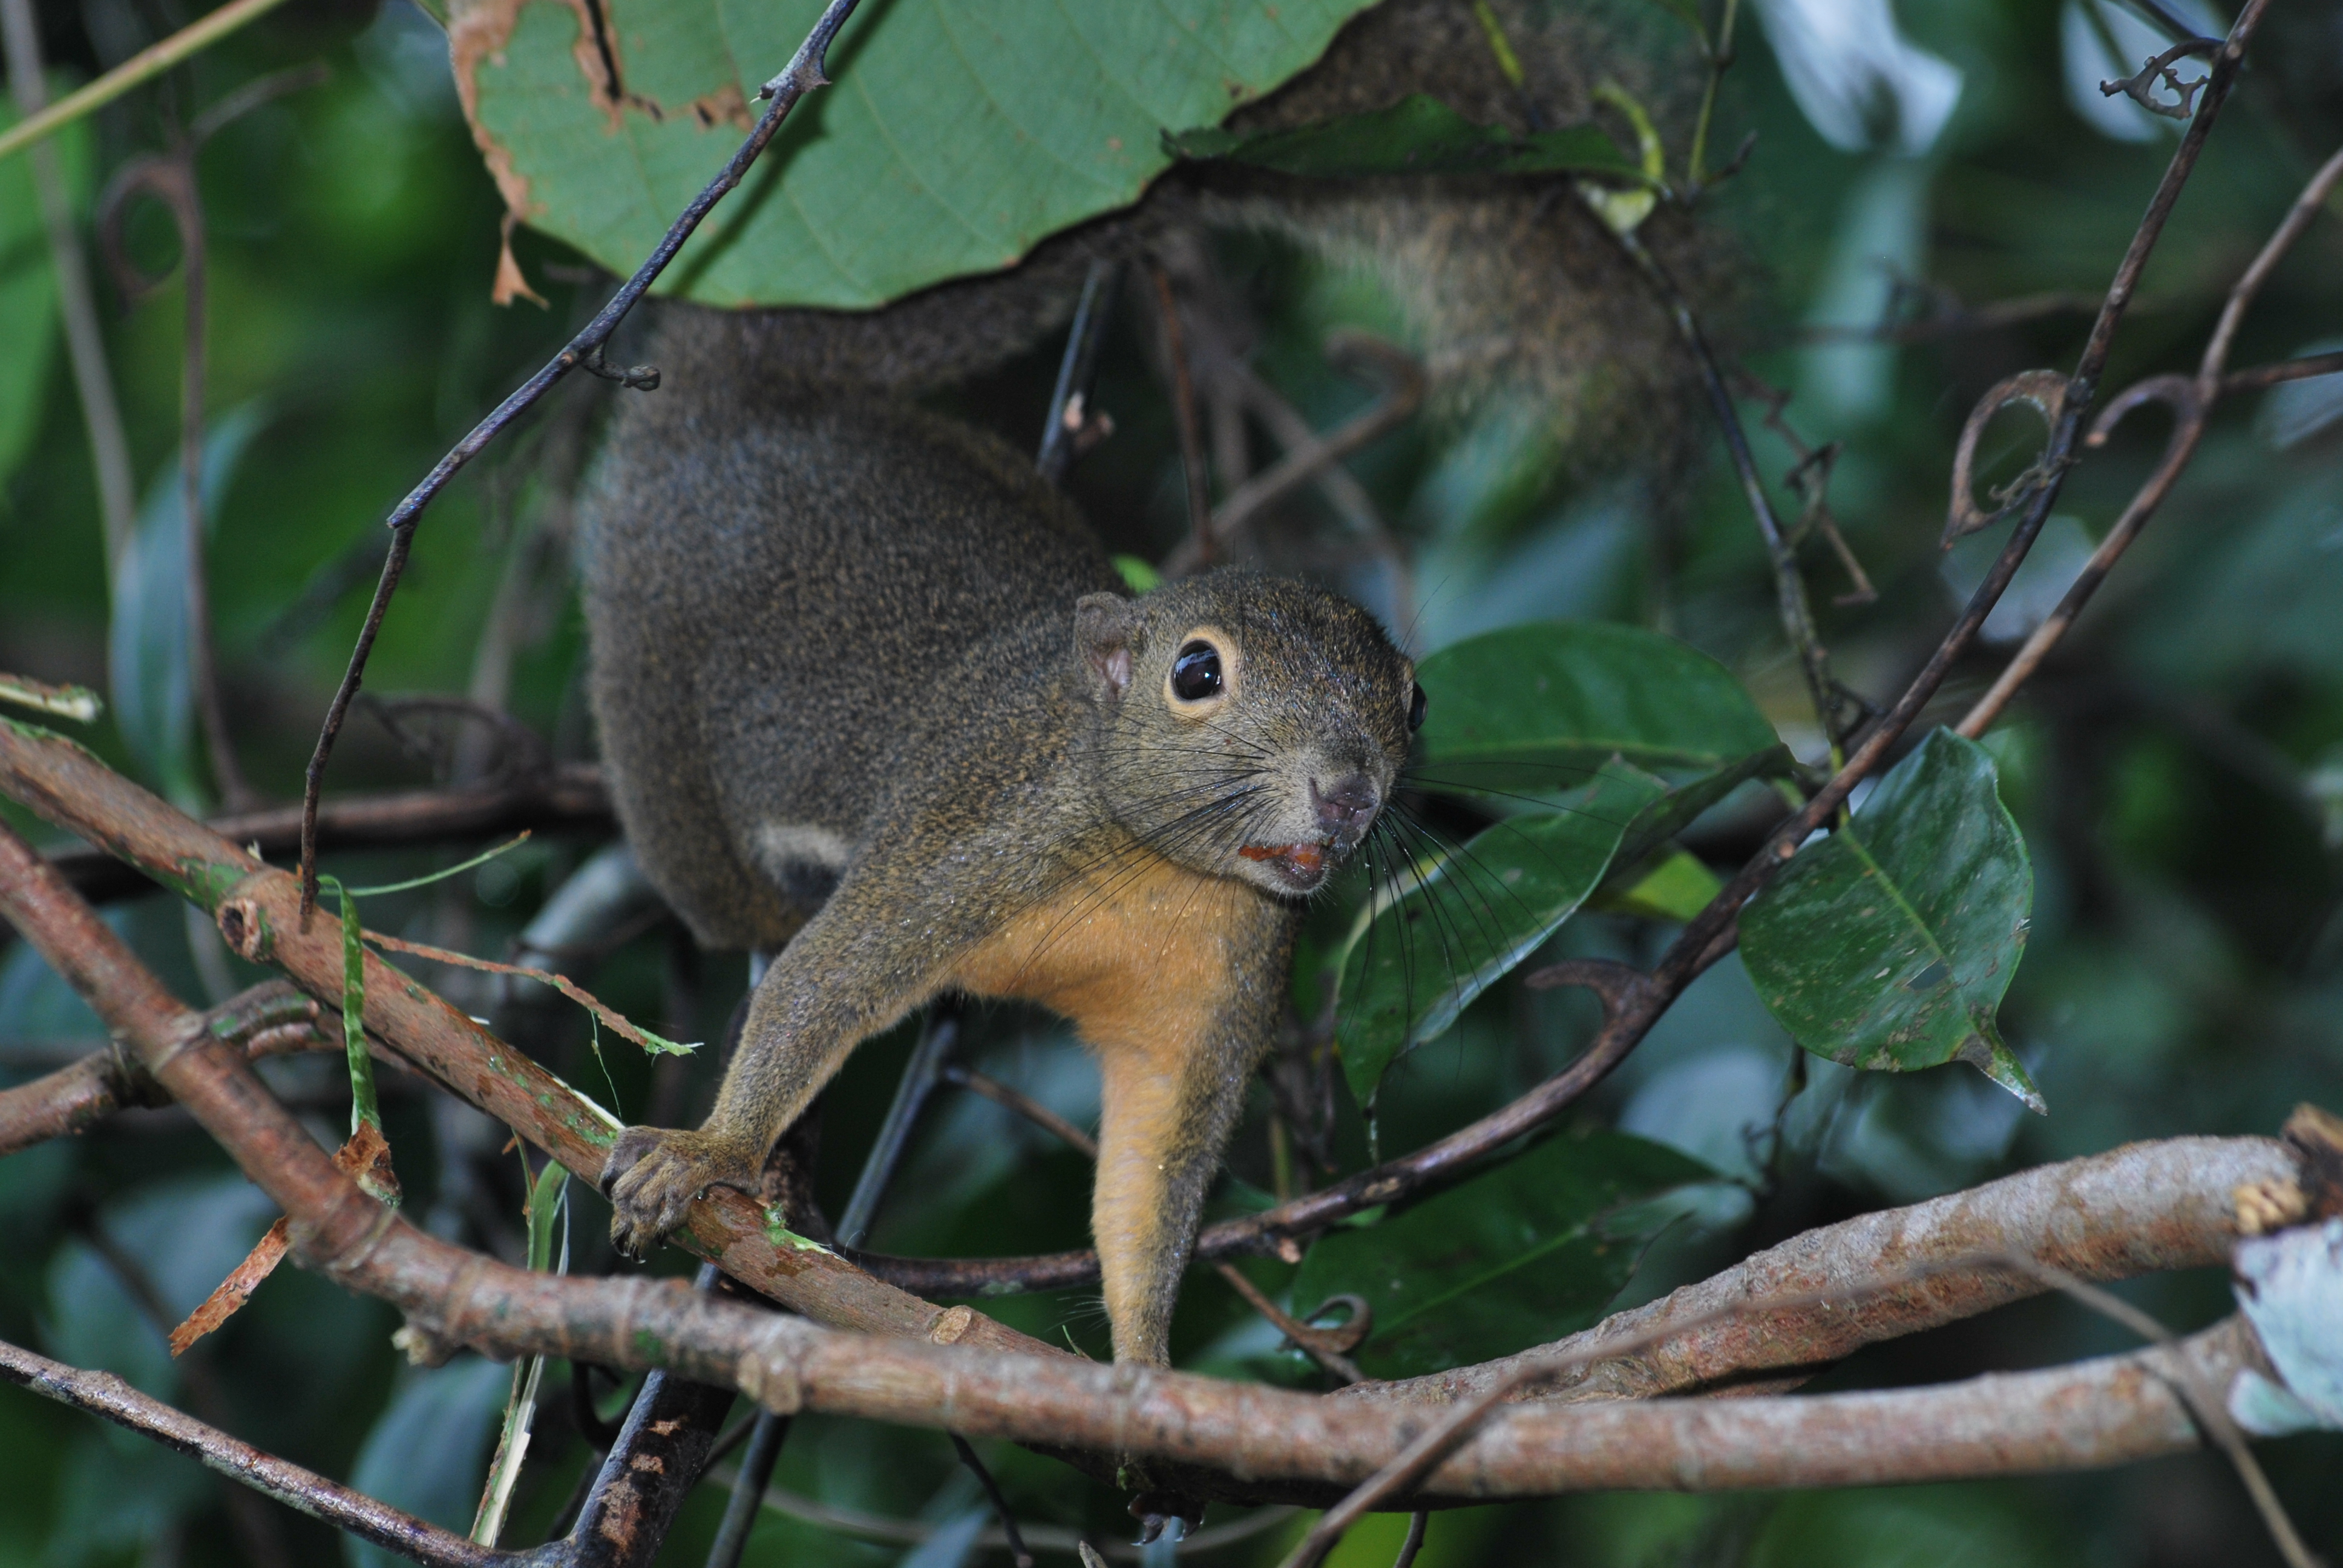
column 1507, row 288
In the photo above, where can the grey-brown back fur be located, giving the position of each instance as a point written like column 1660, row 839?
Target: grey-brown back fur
column 771, row 570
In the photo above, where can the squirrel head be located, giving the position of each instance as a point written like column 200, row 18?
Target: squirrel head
column 1246, row 726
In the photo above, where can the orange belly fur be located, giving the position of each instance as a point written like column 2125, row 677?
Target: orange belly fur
column 1135, row 955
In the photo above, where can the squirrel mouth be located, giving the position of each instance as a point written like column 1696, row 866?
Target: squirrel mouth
column 1303, row 865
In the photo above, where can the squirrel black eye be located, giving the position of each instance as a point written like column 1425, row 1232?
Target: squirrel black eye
column 1196, row 673
column 1415, row 707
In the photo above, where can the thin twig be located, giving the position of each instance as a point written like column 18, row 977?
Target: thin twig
column 1404, row 384
column 104, row 1395
column 109, row 448
column 2285, row 370
column 1789, row 585
column 1014, row 1537
column 2208, row 1404
column 2139, row 86
column 145, row 65
column 255, row 1528
column 2192, row 402
column 1040, row 1537
column 170, row 179
column 806, row 71
column 1070, row 417
column 573, row 801
column 1023, row 1105
column 1326, row 1347
column 1198, row 548
column 1417, row 1523
column 766, row 1431
column 937, row 1038
column 1952, row 318
column 269, row 1019
column 618, row 1020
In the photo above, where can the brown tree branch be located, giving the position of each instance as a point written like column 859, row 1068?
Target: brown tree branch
column 2136, row 1209
column 258, row 911
column 74, row 1098
column 266, row 1021
column 104, row 1395
column 570, row 799
column 1260, row 1440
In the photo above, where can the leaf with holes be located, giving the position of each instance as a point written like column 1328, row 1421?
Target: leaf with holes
column 1416, row 136
column 1888, row 945
column 957, row 137
column 1524, row 1253
column 1446, row 928
column 1517, row 714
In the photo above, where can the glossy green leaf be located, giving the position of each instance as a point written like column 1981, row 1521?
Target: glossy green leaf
column 1527, row 1252
column 1416, row 136
column 1466, row 916
column 1888, row 945
column 1530, row 709
column 954, row 139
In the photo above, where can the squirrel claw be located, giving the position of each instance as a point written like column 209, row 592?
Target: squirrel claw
column 652, row 1177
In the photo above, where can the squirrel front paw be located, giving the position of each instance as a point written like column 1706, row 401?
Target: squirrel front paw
column 653, row 1175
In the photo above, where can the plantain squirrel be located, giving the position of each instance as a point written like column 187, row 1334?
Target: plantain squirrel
column 870, row 699
column 868, row 696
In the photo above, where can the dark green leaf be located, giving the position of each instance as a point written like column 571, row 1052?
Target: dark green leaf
column 956, row 137
column 1416, row 136
column 1527, row 709
column 1470, row 915
column 1527, row 1252
column 1888, row 945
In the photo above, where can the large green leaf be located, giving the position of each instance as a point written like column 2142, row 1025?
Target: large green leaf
column 1464, row 918
column 1531, row 1251
column 1530, row 709
column 1416, row 136
column 955, row 138
column 1888, row 945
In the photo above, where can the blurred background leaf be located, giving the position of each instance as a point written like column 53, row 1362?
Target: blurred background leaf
column 1531, row 1251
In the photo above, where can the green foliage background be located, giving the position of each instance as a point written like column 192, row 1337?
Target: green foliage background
column 2177, row 774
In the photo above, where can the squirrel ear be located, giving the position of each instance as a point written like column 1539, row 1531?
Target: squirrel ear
column 1105, row 627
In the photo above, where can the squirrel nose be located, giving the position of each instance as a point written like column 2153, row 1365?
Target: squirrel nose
column 1346, row 806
